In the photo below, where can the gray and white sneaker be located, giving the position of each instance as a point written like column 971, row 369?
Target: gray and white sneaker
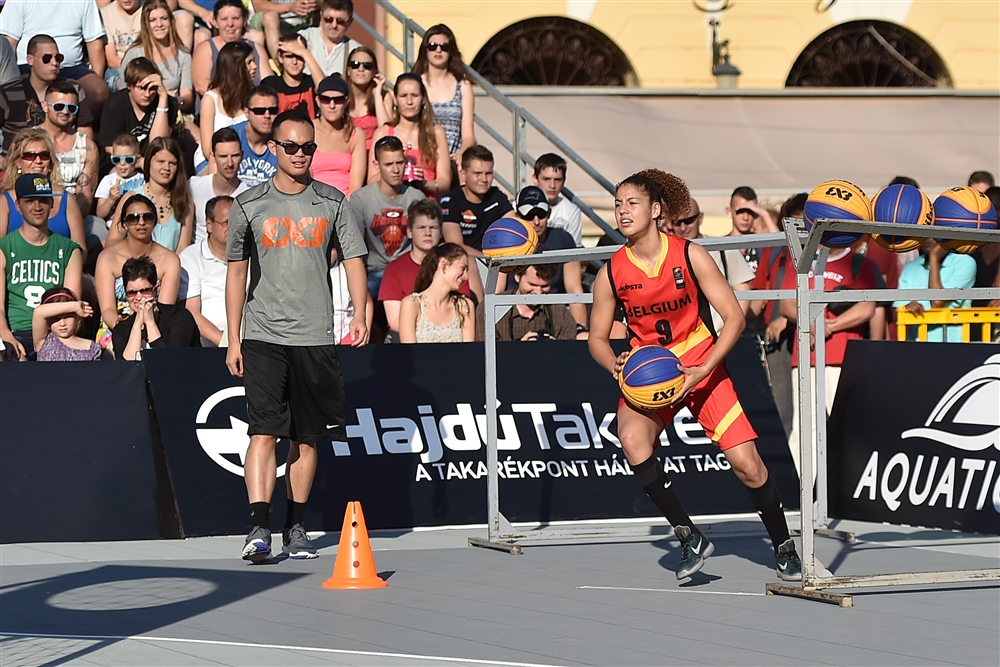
column 258, row 545
column 297, row 544
column 695, row 548
column 788, row 565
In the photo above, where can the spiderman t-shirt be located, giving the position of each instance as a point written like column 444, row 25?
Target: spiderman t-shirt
column 382, row 220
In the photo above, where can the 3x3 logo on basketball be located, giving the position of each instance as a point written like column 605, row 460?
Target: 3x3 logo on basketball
column 307, row 232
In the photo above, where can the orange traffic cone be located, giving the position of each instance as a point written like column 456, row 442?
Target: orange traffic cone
column 355, row 566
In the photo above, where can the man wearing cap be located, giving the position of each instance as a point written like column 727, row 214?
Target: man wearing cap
column 532, row 208
column 33, row 259
column 469, row 210
column 730, row 262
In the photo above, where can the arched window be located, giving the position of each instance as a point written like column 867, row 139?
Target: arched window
column 553, row 51
column 869, row 54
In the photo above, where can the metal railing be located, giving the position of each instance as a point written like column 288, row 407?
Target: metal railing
column 521, row 120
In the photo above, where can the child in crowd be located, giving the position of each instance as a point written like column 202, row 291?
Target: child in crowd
column 55, row 324
column 295, row 88
column 124, row 177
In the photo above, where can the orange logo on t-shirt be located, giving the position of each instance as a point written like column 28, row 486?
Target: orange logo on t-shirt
column 308, row 232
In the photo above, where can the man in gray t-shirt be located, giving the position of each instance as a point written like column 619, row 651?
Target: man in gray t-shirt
column 285, row 233
column 380, row 210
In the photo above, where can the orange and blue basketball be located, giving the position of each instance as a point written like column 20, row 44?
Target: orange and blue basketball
column 509, row 237
column 965, row 208
column 905, row 205
column 839, row 200
column 651, row 377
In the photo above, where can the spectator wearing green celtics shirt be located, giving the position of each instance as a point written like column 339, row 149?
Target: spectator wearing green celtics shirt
column 32, row 260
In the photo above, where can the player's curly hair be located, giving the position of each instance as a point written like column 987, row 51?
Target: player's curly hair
column 669, row 190
column 676, row 195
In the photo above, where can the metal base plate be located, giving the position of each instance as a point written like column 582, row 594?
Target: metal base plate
column 810, row 594
column 513, row 548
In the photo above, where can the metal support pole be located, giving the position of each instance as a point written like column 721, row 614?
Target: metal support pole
column 805, row 400
column 520, row 148
column 407, row 45
column 819, row 518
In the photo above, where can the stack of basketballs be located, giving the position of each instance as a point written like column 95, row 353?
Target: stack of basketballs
column 901, row 204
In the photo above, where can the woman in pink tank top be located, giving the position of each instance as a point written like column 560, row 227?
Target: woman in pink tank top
column 340, row 159
column 367, row 91
column 428, row 163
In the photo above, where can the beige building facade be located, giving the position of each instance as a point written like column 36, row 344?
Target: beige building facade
column 668, row 44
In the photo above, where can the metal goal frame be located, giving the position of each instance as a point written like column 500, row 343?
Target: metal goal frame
column 817, row 581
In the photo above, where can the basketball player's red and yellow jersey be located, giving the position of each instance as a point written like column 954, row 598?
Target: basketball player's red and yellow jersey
column 664, row 306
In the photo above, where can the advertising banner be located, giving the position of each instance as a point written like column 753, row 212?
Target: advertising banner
column 415, row 453
column 915, row 435
column 75, row 457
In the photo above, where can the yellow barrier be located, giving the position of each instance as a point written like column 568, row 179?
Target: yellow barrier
column 966, row 317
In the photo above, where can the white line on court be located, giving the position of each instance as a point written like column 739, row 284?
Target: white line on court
column 668, row 590
column 308, row 649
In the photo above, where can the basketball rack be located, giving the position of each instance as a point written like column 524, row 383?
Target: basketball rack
column 817, row 581
column 501, row 534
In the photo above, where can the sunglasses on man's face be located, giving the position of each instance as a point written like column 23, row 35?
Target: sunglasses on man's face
column 439, row 46
column 260, row 111
column 332, row 99
column 338, row 21
column 61, row 107
column 134, row 218
column 690, row 220
column 31, row 156
column 292, row 148
column 127, row 159
column 142, row 291
column 358, row 64
column 47, row 58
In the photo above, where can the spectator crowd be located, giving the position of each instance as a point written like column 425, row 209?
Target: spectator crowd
column 129, row 128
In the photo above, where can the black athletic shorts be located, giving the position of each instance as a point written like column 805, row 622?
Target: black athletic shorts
column 294, row 392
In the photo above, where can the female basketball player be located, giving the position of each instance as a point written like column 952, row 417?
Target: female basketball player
column 665, row 285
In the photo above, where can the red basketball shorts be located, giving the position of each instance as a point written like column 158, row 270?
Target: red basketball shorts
column 716, row 407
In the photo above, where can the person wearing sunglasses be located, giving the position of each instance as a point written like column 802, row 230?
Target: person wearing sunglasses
column 439, row 64
column 328, row 41
column 341, row 159
column 152, row 325
column 137, row 219
column 366, row 93
column 32, row 153
column 44, row 60
column 532, row 207
column 24, row 252
column 734, row 268
column 77, row 29
column 290, row 231
column 77, row 154
column 124, row 177
column 296, row 89
column 259, row 163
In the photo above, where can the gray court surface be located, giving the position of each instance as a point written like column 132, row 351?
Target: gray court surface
column 194, row 602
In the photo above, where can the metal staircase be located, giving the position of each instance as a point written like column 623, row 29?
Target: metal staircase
column 521, row 120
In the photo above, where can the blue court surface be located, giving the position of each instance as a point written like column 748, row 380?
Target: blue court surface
column 194, row 602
